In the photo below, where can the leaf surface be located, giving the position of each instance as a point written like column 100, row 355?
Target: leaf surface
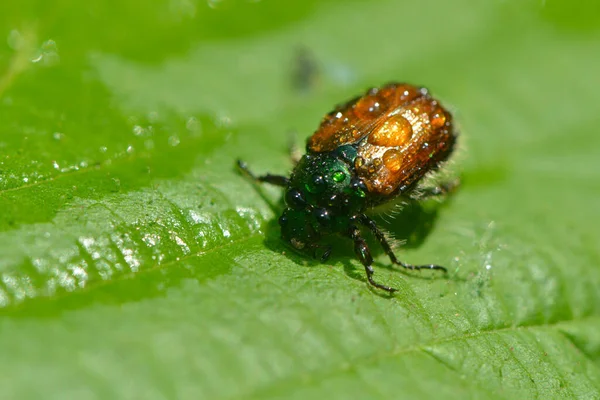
column 136, row 263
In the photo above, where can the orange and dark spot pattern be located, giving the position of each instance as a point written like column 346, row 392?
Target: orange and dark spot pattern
column 400, row 132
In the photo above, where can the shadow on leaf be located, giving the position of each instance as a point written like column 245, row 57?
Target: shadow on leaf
column 410, row 226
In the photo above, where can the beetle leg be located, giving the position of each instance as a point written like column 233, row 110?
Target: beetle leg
column 369, row 223
column 326, row 254
column 440, row 190
column 364, row 255
column 277, row 180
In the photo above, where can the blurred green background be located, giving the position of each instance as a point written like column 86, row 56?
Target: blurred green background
column 136, row 263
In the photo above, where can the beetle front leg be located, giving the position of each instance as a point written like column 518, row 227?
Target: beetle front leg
column 440, row 190
column 276, row 180
column 364, row 255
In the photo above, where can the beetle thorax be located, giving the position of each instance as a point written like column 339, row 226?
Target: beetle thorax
column 323, row 197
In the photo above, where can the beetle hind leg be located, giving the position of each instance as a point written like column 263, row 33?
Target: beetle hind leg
column 364, row 254
column 442, row 189
column 369, row 223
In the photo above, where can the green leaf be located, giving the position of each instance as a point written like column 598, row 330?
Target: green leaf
column 136, row 263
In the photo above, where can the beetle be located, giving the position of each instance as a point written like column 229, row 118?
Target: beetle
column 367, row 152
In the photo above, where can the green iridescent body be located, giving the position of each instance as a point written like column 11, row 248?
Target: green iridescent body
column 322, row 192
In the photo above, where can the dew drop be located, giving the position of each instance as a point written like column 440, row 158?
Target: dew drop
column 138, row 130
column 193, row 125
column 438, row 120
column 47, row 54
column 394, row 132
column 174, row 140
column 392, row 159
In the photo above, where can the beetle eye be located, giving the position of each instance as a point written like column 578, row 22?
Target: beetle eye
column 316, row 185
column 295, row 199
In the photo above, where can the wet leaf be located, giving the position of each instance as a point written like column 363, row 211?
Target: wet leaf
column 136, row 263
